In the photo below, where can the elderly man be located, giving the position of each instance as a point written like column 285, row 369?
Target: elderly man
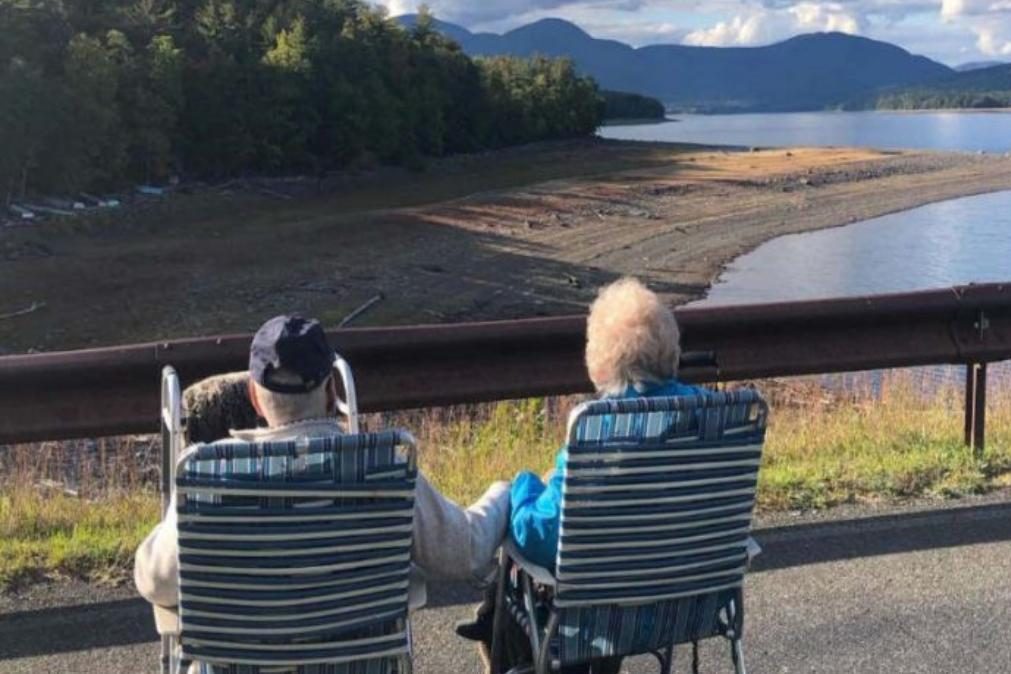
column 291, row 386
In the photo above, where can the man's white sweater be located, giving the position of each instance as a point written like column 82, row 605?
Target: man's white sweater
column 450, row 542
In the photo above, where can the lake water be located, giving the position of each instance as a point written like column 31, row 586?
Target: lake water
column 947, row 243
column 970, row 131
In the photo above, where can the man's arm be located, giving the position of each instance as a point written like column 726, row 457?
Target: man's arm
column 453, row 543
column 156, row 565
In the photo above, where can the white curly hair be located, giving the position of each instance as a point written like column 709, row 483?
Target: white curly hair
column 631, row 338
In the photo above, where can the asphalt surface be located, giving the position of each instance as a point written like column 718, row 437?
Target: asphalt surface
column 910, row 592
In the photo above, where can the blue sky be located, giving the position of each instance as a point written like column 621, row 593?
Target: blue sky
column 951, row 31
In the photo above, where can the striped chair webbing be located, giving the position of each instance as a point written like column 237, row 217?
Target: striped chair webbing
column 294, row 556
column 590, row 632
column 361, row 667
column 656, row 511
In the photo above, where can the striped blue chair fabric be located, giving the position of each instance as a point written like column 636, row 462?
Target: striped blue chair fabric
column 656, row 512
column 294, row 556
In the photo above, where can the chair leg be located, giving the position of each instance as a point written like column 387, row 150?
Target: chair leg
column 498, row 621
column 667, row 661
column 405, row 663
column 737, row 653
column 735, row 617
column 543, row 652
column 695, row 657
column 166, row 657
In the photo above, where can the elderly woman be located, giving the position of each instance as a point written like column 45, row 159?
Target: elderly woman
column 632, row 350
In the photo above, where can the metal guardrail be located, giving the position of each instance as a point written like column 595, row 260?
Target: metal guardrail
column 110, row 391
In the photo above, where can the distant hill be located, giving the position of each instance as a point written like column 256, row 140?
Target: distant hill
column 977, row 65
column 979, row 88
column 806, row 72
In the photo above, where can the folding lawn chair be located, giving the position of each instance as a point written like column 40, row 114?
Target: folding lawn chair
column 294, row 556
column 654, row 540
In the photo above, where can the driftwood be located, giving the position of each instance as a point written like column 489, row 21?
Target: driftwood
column 361, row 310
column 24, row 312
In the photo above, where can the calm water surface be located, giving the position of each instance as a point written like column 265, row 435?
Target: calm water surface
column 970, row 131
column 948, row 243
column 951, row 242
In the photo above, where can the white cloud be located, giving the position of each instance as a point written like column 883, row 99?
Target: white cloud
column 826, row 16
column 952, row 30
column 763, row 25
column 993, row 38
column 953, row 8
column 990, row 20
column 741, row 30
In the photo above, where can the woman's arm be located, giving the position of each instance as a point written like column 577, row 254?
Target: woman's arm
column 535, row 512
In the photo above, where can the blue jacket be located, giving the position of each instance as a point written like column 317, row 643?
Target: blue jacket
column 536, row 507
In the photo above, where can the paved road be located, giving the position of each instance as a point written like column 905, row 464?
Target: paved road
column 914, row 592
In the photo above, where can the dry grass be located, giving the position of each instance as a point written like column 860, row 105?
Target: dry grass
column 60, row 535
column 74, row 509
column 822, row 449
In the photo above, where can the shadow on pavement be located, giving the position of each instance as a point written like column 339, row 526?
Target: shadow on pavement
column 797, row 545
column 75, row 628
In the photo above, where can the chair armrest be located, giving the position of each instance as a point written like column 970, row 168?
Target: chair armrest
column 539, row 574
column 754, row 550
column 166, row 621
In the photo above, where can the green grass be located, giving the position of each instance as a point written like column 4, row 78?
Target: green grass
column 898, row 447
column 819, row 453
column 47, row 536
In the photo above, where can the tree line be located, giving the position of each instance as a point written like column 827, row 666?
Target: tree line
column 623, row 105
column 929, row 99
column 96, row 93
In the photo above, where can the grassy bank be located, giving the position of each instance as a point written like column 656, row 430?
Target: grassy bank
column 52, row 536
column 822, row 450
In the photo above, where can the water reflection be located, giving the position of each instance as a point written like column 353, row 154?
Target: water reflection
column 948, row 243
column 972, row 131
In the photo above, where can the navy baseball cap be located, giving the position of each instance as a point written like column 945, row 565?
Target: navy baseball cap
column 296, row 345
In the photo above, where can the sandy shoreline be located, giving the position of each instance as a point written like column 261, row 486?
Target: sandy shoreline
column 674, row 215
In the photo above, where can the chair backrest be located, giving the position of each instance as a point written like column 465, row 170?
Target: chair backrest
column 657, row 502
column 296, row 554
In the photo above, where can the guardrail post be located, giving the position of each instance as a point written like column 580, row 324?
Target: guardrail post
column 975, row 406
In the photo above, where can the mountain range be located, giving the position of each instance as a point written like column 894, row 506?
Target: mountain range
column 807, row 72
column 978, row 65
column 989, row 78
